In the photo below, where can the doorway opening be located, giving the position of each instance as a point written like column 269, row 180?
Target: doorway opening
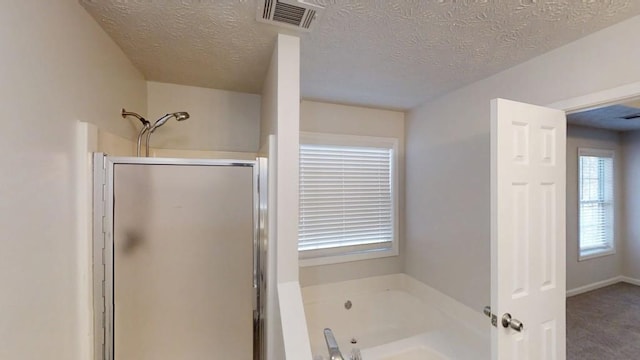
column 603, row 160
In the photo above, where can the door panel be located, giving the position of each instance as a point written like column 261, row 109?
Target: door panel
column 528, row 145
column 183, row 262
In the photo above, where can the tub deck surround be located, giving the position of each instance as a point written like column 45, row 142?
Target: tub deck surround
column 394, row 317
column 451, row 341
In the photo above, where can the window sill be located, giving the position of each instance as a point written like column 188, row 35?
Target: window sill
column 592, row 254
column 345, row 257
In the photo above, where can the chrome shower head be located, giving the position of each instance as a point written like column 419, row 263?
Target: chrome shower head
column 180, row 116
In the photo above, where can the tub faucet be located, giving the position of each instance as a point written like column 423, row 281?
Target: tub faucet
column 332, row 345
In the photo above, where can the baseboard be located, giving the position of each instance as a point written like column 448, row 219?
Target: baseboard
column 631, row 280
column 597, row 285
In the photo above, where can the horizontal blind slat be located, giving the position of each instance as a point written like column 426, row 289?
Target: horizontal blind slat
column 326, row 239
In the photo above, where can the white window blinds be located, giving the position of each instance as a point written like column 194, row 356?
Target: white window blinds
column 346, row 196
column 596, row 201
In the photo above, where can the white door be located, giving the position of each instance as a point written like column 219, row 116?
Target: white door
column 528, row 146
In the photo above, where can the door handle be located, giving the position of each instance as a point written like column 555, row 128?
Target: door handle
column 509, row 322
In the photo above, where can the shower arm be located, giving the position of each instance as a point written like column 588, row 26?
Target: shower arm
column 146, row 125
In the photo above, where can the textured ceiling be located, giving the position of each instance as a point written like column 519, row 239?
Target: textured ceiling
column 609, row 117
column 384, row 53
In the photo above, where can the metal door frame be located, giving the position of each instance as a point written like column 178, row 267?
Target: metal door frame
column 103, row 261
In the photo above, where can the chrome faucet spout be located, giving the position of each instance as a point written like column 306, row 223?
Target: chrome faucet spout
column 332, row 345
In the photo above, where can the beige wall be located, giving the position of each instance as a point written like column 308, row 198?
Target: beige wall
column 115, row 145
column 447, row 239
column 57, row 68
column 352, row 120
column 587, row 272
column 220, row 120
column 631, row 184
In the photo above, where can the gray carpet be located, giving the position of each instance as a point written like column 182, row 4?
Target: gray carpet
column 604, row 324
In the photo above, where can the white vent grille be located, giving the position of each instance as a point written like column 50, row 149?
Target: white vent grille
column 289, row 13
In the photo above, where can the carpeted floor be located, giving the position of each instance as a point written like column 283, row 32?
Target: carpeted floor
column 604, row 324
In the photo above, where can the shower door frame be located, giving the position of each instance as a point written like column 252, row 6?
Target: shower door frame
column 103, row 258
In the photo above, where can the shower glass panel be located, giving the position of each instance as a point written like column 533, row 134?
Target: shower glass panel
column 183, row 265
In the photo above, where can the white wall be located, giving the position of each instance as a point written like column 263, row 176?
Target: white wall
column 220, row 120
column 279, row 141
column 274, row 348
column 587, row 272
column 447, row 236
column 57, row 68
column 287, row 145
column 631, row 184
column 353, row 120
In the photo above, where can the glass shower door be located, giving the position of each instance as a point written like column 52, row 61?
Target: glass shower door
column 183, row 262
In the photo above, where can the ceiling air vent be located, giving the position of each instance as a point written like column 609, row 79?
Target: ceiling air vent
column 293, row 14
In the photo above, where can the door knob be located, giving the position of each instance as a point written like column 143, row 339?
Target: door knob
column 515, row 324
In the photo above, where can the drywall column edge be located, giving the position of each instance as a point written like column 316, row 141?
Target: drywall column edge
column 294, row 326
column 287, row 143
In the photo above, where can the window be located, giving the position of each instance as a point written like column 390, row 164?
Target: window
column 348, row 198
column 596, row 194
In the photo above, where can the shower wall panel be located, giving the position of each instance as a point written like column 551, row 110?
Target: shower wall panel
column 183, row 262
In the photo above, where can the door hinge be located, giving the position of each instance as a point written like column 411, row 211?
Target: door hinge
column 99, row 242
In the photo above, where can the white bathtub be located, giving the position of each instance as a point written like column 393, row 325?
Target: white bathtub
column 394, row 318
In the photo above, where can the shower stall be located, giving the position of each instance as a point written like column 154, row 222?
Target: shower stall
column 178, row 270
